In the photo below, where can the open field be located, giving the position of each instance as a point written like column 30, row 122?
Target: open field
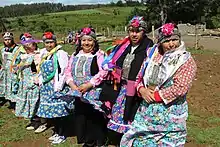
column 62, row 22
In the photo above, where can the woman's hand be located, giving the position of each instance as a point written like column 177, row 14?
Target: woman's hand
column 85, row 87
column 147, row 94
column 73, row 86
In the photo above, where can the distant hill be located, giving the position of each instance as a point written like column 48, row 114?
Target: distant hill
column 62, row 22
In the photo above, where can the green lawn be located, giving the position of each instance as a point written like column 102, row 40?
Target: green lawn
column 61, row 22
column 12, row 130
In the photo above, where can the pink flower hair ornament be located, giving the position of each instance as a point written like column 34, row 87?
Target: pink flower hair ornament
column 168, row 29
column 135, row 23
column 138, row 22
column 86, row 31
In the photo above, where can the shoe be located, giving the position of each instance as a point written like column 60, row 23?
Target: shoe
column 89, row 144
column 58, row 140
column 52, row 138
column 41, row 128
column 29, row 128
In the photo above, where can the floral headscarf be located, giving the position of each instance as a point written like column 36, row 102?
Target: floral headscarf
column 88, row 32
column 167, row 32
column 49, row 36
column 8, row 35
column 138, row 23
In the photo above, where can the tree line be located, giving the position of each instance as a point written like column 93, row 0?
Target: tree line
column 156, row 12
column 42, row 8
column 159, row 12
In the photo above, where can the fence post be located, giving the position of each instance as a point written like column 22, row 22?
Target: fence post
column 196, row 37
column 153, row 33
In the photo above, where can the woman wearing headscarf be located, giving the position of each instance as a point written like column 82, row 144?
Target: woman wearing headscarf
column 26, row 71
column 7, row 89
column 51, row 69
column 84, row 75
column 163, row 83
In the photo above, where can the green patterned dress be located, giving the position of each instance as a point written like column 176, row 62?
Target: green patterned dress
column 28, row 92
column 7, row 79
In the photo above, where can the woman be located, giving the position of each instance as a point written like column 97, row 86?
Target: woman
column 28, row 92
column 52, row 86
column 7, row 89
column 84, row 75
column 118, row 94
column 163, row 83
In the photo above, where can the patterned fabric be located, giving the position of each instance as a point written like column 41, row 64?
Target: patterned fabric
column 7, row 79
column 51, row 106
column 95, row 80
column 81, row 73
column 116, row 122
column 154, row 121
column 163, row 124
column 168, row 139
column 138, row 22
column 59, row 78
column 127, row 65
column 28, row 92
column 183, row 77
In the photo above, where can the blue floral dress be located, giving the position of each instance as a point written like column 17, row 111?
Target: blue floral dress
column 51, row 106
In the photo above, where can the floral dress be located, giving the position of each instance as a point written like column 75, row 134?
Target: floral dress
column 51, row 106
column 7, row 79
column 28, row 92
column 163, row 123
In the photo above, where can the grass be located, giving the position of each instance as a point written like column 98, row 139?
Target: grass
column 12, row 130
column 204, row 129
column 61, row 22
column 201, row 51
column 198, row 131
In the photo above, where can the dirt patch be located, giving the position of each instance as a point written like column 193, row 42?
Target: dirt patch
column 207, row 43
column 204, row 95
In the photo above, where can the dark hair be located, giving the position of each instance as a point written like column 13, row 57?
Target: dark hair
column 160, row 49
column 49, row 30
column 96, row 48
column 35, row 44
column 21, row 36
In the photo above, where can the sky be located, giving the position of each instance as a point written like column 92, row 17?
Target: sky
column 69, row 2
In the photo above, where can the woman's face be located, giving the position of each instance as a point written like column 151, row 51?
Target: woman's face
column 87, row 44
column 49, row 45
column 30, row 48
column 8, row 42
column 170, row 44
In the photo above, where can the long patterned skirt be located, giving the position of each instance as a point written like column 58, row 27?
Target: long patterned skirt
column 51, row 106
column 116, row 123
column 27, row 101
column 158, row 125
column 8, row 87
